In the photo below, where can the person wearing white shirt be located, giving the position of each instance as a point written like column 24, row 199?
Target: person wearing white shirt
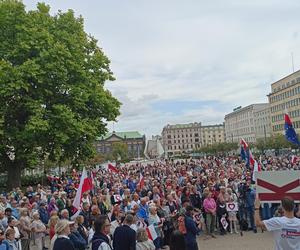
column 286, row 229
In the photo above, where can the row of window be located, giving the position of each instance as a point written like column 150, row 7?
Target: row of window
column 292, row 114
column 282, row 106
column 280, row 127
column 182, row 136
column 286, row 94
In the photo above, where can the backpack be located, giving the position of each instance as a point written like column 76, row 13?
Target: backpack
column 181, row 224
column 243, row 225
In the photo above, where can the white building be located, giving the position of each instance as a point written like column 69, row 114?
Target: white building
column 262, row 123
column 241, row 123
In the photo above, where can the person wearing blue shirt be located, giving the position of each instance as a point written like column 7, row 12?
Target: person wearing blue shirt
column 191, row 230
column 250, row 199
column 44, row 216
column 143, row 211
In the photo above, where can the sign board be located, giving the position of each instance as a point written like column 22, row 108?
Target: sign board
column 232, row 206
column 272, row 186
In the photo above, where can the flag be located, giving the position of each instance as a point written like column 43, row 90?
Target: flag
column 84, row 186
column 290, row 133
column 112, row 168
column 152, row 235
column 256, row 168
column 294, row 159
column 141, row 181
column 246, row 153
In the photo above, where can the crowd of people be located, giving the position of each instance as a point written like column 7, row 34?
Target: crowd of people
column 138, row 206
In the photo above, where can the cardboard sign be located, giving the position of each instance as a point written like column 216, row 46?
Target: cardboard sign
column 232, row 206
column 272, row 186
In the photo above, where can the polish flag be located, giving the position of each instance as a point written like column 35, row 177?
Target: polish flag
column 141, row 181
column 112, row 168
column 152, row 235
column 294, row 159
column 84, row 186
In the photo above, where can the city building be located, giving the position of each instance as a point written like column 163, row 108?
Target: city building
column 181, row 138
column 134, row 140
column 212, row 134
column 262, row 123
column 185, row 138
column 241, row 123
column 285, row 96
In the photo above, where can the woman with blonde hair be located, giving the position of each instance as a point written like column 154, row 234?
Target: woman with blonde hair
column 143, row 242
column 52, row 222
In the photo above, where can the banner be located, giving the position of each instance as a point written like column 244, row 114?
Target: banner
column 272, row 186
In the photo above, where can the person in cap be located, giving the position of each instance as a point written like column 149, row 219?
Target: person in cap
column 63, row 242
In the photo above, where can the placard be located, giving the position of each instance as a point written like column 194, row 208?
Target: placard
column 272, row 186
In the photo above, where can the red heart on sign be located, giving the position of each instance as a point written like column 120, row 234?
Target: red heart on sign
column 231, row 206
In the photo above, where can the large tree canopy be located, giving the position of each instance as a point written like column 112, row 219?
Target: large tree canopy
column 52, row 97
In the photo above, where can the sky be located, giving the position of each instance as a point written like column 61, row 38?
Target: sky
column 189, row 61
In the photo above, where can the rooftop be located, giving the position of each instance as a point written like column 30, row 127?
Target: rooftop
column 127, row 135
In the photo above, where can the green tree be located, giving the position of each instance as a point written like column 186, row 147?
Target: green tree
column 52, row 97
column 119, row 151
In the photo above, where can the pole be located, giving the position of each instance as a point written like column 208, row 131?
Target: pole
column 265, row 134
column 293, row 68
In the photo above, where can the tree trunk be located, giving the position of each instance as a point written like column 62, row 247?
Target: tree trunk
column 13, row 176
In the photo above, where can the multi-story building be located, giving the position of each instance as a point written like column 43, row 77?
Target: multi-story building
column 184, row 138
column 134, row 140
column 212, row 134
column 240, row 123
column 181, row 138
column 285, row 97
column 262, row 123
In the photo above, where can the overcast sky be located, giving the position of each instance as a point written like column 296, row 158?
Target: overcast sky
column 189, row 61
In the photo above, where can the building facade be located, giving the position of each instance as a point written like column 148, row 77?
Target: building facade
column 181, row 138
column 212, row 134
column 262, row 123
column 241, row 123
column 133, row 139
column 285, row 96
column 185, row 138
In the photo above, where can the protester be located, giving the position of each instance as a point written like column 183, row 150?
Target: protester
column 38, row 230
column 169, row 188
column 143, row 242
column 125, row 237
column 63, row 241
column 101, row 240
column 286, row 229
column 177, row 241
column 191, row 230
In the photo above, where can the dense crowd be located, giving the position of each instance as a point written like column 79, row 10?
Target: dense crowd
column 176, row 201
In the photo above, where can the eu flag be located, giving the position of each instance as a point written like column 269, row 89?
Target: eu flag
column 290, row 133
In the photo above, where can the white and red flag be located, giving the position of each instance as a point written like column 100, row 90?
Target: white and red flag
column 86, row 184
column 152, row 235
column 112, row 168
column 294, row 159
column 141, row 181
